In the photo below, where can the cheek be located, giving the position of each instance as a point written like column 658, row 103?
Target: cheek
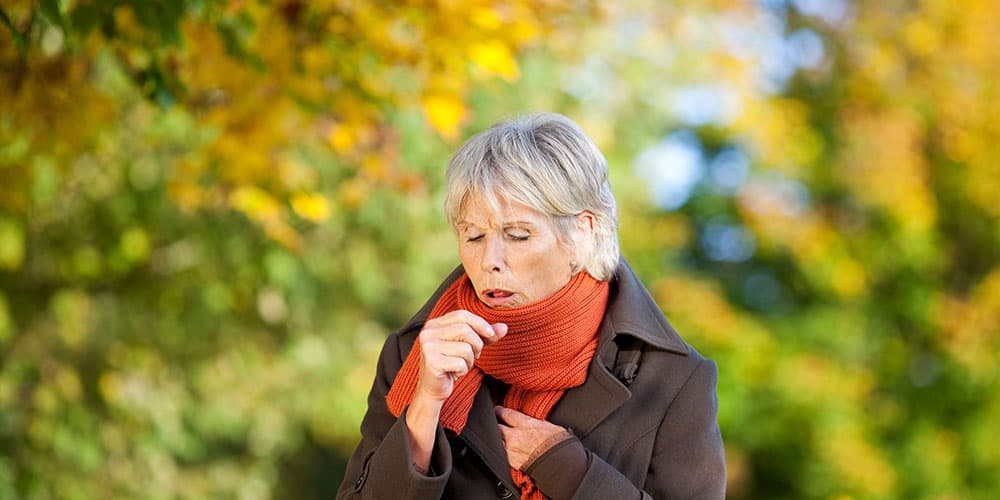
column 546, row 264
column 470, row 257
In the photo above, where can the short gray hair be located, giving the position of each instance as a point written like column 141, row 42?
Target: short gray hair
column 546, row 162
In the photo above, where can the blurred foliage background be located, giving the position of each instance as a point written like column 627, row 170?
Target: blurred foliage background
column 212, row 212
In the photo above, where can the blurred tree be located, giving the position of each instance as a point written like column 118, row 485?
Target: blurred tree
column 207, row 226
column 212, row 212
column 824, row 223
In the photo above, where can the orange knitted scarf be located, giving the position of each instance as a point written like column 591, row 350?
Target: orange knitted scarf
column 547, row 350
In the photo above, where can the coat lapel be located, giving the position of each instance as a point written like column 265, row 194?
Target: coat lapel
column 630, row 312
column 482, row 434
column 583, row 407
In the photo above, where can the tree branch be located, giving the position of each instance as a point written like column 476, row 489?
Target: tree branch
column 19, row 39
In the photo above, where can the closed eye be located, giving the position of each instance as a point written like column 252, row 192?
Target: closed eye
column 474, row 238
column 517, row 237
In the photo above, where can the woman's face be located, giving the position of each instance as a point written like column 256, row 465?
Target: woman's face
column 514, row 261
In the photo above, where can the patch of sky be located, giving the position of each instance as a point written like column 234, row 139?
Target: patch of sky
column 775, row 5
column 805, row 48
column 782, row 56
column 699, row 105
column 779, row 55
column 591, row 81
column 671, row 167
column 629, row 32
column 794, row 195
column 724, row 241
column 728, row 170
column 776, row 65
column 774, row 190
column 832, row 12
column 738, row 36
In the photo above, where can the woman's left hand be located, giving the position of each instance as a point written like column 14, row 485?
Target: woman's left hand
column 522, row 435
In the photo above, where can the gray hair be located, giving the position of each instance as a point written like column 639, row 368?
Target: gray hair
column 546, row 162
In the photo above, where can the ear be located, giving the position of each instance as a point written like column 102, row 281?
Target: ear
column 584, row 237
column 585, row 222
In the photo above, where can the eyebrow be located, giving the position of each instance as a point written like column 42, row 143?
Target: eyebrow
column 464, row 223
column 518, row 223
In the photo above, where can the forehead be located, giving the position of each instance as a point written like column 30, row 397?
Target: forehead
column 480, row 210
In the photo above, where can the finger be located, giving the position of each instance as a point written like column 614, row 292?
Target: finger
column 451, row 366
column 437, row 350
column 509, row 416
column 459, row 350
column 499, row 332
column 504, row 432
column 455, row 332
column 465, row 334
column 477, row 323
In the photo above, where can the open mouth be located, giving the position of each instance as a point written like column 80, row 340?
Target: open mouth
column 497, row 294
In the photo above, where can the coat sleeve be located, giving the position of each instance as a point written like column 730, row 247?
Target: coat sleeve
column 688, row 459
column 382, row 466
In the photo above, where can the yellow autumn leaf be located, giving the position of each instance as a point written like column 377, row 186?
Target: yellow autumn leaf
column 445, row 113
column 377, row 168
column 921, row 37
column 278, row 230
column 187, row 195
column 342, row 138
column 255, row 203
column 849, row 279
column 311, row 206
column 353, row 193
column 521, row 31
column 495, row 58
column 485, row 17
column 112, row 387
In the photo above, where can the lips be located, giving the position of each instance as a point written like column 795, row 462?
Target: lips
column 497, row 297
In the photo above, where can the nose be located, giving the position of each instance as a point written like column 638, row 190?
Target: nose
column 494, row 255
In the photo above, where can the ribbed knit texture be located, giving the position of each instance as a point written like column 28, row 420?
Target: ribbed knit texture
column 547, row 349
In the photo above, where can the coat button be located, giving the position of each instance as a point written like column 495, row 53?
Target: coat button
column 503, row 491
column 362, row 478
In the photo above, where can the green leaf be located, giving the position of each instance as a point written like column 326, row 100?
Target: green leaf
column 11, row 244
column 84, row 17
column 6, row 321
column 19, row 40
column 51, row 10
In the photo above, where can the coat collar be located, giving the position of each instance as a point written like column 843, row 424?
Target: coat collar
column 631, row 311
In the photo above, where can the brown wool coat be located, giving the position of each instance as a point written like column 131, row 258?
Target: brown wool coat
column 656, row 438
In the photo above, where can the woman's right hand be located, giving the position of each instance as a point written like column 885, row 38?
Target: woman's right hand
column 449, row 345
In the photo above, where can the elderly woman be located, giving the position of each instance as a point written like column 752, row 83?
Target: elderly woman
column 541, row 367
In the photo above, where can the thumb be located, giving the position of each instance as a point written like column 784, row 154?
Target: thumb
column 500, row 329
